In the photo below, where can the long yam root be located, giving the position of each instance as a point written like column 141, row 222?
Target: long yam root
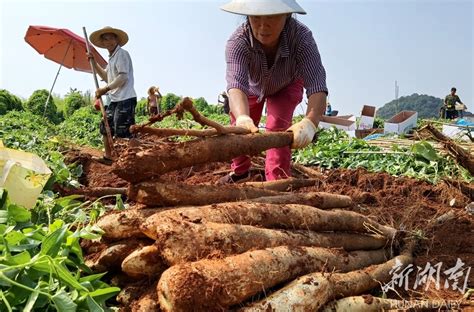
column 168, row 194
column 284, row 185
column 111, row 257
column 124, row 223
column 313, row 291
column 214, row 285
column 144, row 262
column 319, row 200
column 159, row 159
column 295, row 217
column 182, row 241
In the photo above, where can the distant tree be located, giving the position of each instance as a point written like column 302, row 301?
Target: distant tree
column 215, row 109
column 72, row 102
column 141, row 109
column 82, row 127
column 88, row 97
column 59, row 102
column 169, row 101
column 9, row 102
column 200, row 104
column 427, row 106
column 378, row 122
column 36, row 105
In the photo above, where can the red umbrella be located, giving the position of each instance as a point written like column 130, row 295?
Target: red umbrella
column 62, row 46
column 68, row 49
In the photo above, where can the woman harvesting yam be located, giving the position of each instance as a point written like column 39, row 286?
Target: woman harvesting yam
column 270, row 58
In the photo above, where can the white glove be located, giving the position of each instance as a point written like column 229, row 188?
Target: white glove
column 246, row 122
column 303, row 133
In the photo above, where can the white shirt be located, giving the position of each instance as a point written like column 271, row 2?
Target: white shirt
column 120, row 62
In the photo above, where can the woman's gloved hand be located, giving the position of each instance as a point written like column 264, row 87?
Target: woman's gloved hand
column 246, row 122
column 303, row 133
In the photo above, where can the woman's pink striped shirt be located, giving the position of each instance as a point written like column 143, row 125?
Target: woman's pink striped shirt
column 297, row 58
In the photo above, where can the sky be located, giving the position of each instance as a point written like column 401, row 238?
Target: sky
column 365, row 46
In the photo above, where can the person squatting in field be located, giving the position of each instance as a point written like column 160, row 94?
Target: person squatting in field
column 270, row 58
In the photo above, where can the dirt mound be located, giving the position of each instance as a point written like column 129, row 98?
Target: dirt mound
column 95, row 174
column 416, row 207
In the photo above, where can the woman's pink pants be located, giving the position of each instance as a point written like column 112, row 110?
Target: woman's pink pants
column 280, row 108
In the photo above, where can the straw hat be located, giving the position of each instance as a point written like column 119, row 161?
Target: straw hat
column 96, row 39
column 151, row 90
column 263, row 7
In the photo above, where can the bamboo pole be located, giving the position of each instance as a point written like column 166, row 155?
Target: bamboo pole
column 108, row 141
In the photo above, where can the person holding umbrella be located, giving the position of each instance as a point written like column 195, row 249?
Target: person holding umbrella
column 118, row 76
column 270, row 58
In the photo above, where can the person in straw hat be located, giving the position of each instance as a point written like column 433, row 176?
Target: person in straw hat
column 120, row 83
column 270, row 58
column 153, row 101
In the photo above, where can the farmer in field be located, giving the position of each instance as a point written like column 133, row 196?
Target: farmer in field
column 153, row 101
column 119, row 78
column 328, row 109
column 450, row 102
column 223, row 99
column 270, row 58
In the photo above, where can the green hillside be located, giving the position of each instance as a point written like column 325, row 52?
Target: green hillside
column 427, row 106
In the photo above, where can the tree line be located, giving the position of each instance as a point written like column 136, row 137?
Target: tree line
column 58, row 109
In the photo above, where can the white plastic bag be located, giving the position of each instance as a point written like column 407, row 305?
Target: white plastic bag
column 23, row 175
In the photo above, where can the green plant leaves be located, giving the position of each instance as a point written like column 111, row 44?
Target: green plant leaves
column 31, row 301
column 92, row 305
column 425, row 150
column 41, row 261
column 18, row 213
column 20, row 258
column 3, row 198
column 53, row 241
column 63, row 302
column 66, row 276
column 334, row 149
column 3, row 216
column 42, row 265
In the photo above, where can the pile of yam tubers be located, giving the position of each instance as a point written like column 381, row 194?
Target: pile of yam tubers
column 279, row 252
column 253, row 247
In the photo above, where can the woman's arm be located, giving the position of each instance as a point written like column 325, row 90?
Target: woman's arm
column 239, row 107
column 239, row 104
column 316, row 107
